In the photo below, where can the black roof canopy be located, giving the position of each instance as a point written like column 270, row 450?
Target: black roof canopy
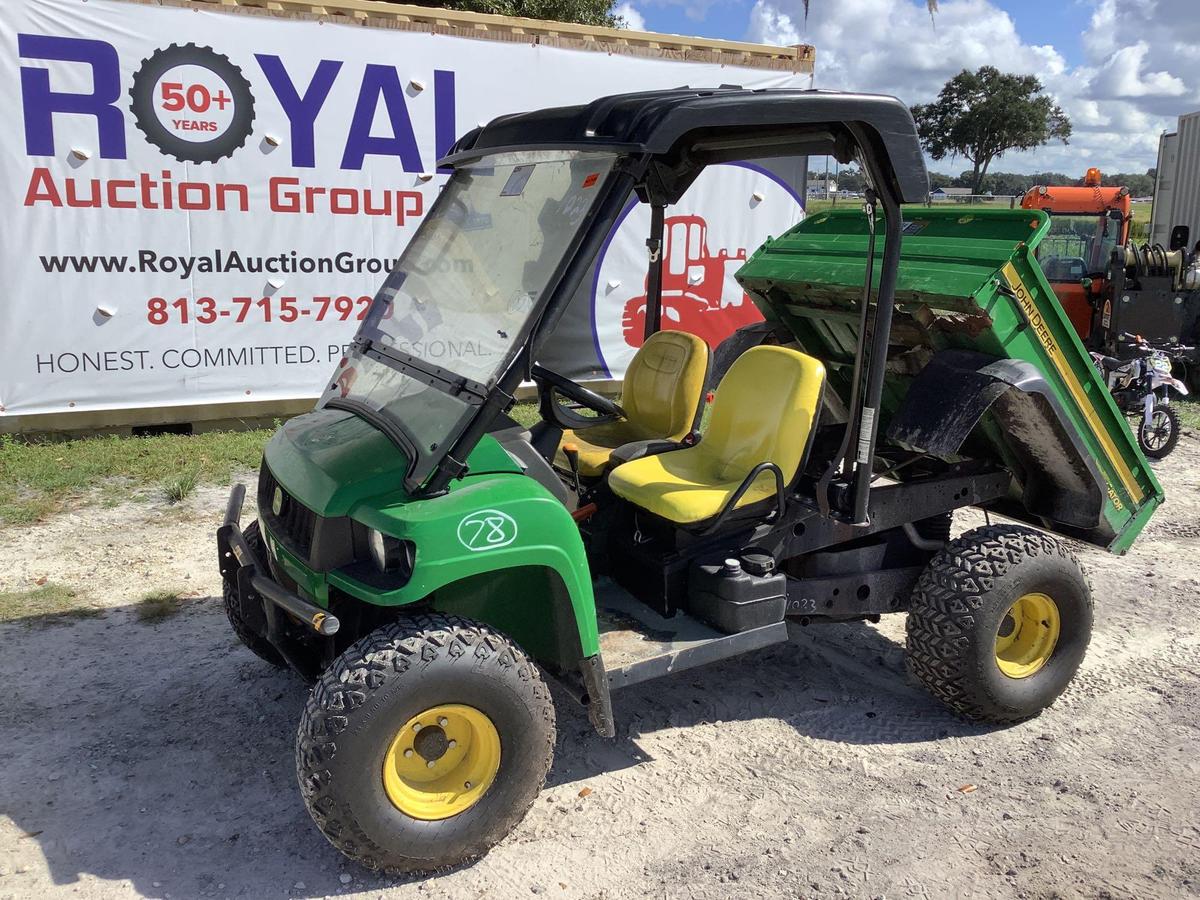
column 687, row 129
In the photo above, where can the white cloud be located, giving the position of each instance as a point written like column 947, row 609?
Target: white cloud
column 769, row 25
column 632, row 16
column 1142, row 65
column 1124, row 76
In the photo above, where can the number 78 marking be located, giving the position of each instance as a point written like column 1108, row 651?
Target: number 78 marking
column 487, row 529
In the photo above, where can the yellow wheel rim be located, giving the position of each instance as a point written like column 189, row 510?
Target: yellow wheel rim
column 1027, row 635
column 441, row 762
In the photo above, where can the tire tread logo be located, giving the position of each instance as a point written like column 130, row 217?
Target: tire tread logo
column 145, row 103
column 487, row 529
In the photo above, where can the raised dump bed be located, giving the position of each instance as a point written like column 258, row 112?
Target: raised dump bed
column 982, row 364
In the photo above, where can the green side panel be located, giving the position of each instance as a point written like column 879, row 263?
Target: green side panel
column 527, row 603
column 968, row 279
column 338, row 465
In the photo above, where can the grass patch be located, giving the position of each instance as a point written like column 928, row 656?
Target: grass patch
column 38, row 478
column 45, row 604
column 525, row 413
column 159, row 606
column 181, row 487
column 1189, row 411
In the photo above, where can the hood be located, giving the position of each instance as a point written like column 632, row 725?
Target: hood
column 331, row 460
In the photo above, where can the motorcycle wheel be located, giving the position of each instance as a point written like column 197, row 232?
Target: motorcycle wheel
column 1161, row 434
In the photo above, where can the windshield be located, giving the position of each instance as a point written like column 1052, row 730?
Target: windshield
column 453, row 314
column 1078, row 245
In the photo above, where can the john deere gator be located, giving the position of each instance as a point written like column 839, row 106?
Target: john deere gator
column 429, row 563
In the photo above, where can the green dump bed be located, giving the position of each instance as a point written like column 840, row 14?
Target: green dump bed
column 983, row 363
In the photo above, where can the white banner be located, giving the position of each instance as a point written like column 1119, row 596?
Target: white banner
column 199, row 205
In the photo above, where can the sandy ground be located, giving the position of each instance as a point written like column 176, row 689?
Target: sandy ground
column 157, row 760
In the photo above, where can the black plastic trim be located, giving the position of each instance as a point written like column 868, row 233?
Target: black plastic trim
column 435, row 376
column 599, row 699
column 722, row 122
column 950, row 396
column 394, row 430
column 698, row 655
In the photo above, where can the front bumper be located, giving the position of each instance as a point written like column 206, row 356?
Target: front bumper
column 266, row 607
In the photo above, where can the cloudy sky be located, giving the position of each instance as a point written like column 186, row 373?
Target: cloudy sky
column 1122, row 69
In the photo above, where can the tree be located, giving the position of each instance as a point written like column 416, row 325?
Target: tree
column 980, row 115
column 851, row 179
column 584, row 12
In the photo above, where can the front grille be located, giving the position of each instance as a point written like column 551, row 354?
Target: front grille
column 294, row 523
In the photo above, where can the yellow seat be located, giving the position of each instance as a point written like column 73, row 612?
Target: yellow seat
column 661, row 395
column 764, row 411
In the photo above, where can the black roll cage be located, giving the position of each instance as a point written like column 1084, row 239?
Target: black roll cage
column 664, row 140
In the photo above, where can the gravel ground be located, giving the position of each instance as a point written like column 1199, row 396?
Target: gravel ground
column 157, row 759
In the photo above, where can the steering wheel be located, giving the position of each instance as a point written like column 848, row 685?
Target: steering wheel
column 577, row 392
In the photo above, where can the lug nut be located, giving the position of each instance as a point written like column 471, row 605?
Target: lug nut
column 408, row 754
column 443, row 721
column 467, row 785
column 430, row 764
column 416, row 726
column 452, row 744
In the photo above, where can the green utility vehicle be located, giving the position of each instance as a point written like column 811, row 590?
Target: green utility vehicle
column 427, row 561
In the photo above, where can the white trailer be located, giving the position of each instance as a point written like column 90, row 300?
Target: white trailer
column 1177, row 187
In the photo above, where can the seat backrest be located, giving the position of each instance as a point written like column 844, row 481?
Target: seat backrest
column 664, row 384
column 765, row 409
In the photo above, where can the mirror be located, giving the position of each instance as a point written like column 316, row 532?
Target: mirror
column 1180, row 235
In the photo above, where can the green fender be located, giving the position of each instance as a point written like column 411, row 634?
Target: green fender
column 469, row 537
column 497, row 546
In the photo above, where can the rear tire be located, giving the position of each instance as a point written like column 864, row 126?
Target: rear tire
column 1163, row 434
column 256, row 643
column 999, row 623
column 356, row 750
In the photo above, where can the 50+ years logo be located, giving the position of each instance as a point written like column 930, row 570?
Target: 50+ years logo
column 192, row 103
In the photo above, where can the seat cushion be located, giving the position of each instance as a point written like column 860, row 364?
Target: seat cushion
column 683, row 486
column 596, row 444
column 765, row 410
column 664, row 384
column 662, row 395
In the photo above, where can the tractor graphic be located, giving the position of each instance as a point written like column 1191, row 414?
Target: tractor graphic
column 693, row 288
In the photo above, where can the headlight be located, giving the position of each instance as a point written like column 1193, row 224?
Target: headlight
column 388, row 553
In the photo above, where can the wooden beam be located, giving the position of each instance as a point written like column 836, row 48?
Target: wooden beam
column 798, row 59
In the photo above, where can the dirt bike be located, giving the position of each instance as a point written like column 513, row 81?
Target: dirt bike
column 1143, row 385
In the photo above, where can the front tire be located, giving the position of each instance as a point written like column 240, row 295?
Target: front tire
column 424, row 744
column 999, row 623
column 1162, row 434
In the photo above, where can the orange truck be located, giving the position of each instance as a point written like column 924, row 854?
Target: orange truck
column 1086, row 224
